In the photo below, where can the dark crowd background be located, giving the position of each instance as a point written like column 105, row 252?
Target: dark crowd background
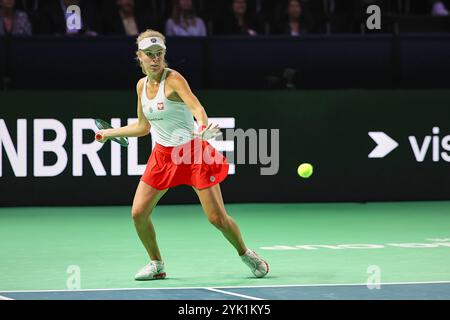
column 221, row 17
column 282, row 44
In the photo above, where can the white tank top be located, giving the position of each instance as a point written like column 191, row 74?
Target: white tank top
column 172, row 121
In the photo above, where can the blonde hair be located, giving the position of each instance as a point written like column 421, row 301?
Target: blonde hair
column 147, row 34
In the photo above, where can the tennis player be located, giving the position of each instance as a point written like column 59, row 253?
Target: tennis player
column 181, row 154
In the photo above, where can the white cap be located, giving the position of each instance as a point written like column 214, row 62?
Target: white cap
column 152, row 41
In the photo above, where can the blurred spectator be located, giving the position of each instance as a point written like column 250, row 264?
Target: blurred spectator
column 54, row 17
column 13, row 21
column 184, row 21
column 239, row 21
column 124, row 19
column 293, row 21
column 428, row 7
column 439, row 8
column 31, row 8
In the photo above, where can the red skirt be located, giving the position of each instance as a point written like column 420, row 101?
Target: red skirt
column 195, row 163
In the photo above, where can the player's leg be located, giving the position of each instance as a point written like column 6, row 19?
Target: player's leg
column 214, row 208
column 145, row 200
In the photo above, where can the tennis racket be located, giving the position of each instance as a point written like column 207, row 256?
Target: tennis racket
column 103, row 125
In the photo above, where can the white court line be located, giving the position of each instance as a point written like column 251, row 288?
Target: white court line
column 235, row 287
column 5, row 298
column 234, row 294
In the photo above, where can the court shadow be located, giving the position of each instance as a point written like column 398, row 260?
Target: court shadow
column 266, row 277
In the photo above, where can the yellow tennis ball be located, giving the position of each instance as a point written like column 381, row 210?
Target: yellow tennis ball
column 305, row 170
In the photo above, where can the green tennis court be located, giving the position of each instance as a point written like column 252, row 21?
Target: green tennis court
column 315, row 251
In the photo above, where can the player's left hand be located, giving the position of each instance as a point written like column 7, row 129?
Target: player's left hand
column 210, row 132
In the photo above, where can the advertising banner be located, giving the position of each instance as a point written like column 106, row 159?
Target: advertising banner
column 363, row 145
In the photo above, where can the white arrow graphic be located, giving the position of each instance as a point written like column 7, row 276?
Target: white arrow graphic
column 385, row 144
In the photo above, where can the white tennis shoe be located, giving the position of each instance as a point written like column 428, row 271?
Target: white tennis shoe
column 257, row 265
column 154, row 270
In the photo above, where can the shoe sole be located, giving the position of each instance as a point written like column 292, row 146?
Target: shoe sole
column 159, row 276
column 155, row 277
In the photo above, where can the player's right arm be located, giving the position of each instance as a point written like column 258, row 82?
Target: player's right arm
column 136, row 129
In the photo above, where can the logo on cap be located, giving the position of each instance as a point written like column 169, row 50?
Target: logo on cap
column 153, row 40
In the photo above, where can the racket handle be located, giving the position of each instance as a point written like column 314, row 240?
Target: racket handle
column 98, row 137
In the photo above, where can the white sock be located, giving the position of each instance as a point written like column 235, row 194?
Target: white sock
column 158, row 262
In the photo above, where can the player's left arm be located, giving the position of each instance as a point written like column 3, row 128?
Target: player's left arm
column 179, row 84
